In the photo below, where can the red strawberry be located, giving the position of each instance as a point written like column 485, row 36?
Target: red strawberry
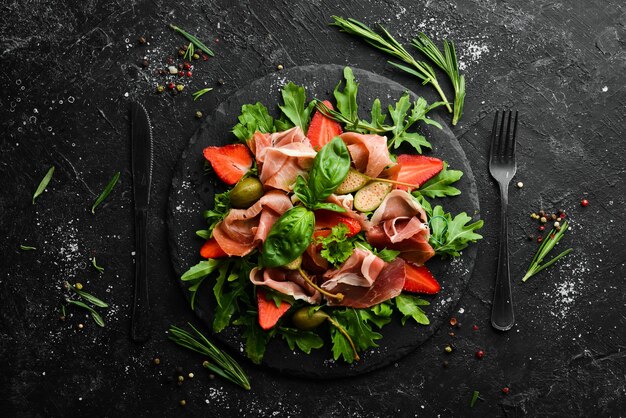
column 420, row 280
column 211, row 249
column 230, row 162
column 322, row 128
column 269, row 313
column 326, row 219
column 417, row 169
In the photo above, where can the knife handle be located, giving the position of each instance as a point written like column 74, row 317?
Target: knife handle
column 140, row 325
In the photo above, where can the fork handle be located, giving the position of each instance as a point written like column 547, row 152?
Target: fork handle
column 502, row 317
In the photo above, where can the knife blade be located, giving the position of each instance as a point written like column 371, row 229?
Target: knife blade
column 141, row 154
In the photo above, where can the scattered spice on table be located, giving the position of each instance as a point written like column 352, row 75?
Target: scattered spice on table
column 505, row 390
column 584, row 203
column 448, row 349
column 480, row 354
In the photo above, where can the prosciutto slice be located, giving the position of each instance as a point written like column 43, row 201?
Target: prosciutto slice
column 365, row 280
column 282, row 157
column 399, row 224
column 242, row 230
column 287, row 282
column 346, row 201
column 369, row 153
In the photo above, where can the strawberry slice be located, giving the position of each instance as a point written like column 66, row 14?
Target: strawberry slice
column 230, row 162
column 323, row 129
column 417, row 169
column 420, row 280
column 211, row 249
column 269, row 313
column 327, row 219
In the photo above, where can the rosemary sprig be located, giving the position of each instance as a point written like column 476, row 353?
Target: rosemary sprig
column 105, row 192
column 87, row 297
column 546, row 246
column 389, row 45
column 96, row 266
column 43, row 184
column 449, row 64
column 200, row 93
column 222, row 364
column 195, row 41
column 189, row 52
column 27, row 248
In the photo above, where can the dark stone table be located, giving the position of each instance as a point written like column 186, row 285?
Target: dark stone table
column 70, row 68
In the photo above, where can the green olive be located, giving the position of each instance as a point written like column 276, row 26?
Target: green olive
column 303, row 320
column 246, row 192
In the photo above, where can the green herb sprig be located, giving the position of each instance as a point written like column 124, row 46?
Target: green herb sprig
column 220, row 363
column 27, row 248
column 448, row 62
column 200, row 93
column 43, row 184
column 96, row 266
column 195, row 41
column 544, row 249
column 87, row 297
column 389, row 45
column 105, row 193
column 189, row 52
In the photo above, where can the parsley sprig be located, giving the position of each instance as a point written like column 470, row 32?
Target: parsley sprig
column 544, row 249
column 389, row 45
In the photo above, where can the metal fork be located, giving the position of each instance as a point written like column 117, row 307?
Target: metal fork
column 502, row 168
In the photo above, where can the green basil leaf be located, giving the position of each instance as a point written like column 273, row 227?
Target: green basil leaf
column 303, row 192
column 328, row 206
column 330, row 168
column 203, row 268
column 289, row 237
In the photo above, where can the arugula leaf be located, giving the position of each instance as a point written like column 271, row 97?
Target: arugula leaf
column 424, row 203
column 196, row 275
column 221, row 207
column 254, row 117
column 346, row 99
column 450, row 235
column 294, row 98
column 222, row 277
column 336, row 247
column 409, row 306
column 379, row 315
column 256, row 338
column 440, row 185
column 288, row 237
column 305, row 340
column 403, row 121
column 225, row 311
column 356, row 325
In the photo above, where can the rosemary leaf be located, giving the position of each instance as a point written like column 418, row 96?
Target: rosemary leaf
column 544, row 249
column 96, row 266
column 475, row 396
column 221, row 363
column 87, row 296
column 95, row 315
column 43, row 184
column 197, row 43
column 27, row 248
column 449, row 64
column 189, row 52
column 200, row 93
column 389, row 45
column 105, row 192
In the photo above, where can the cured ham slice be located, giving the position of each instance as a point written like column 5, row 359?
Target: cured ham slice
column 283, row 165
column 242, row 230
column 281, row 157
column 369, row 153
column 346, row 201
column 365, row 280
column 399, row 224
column 287, row 282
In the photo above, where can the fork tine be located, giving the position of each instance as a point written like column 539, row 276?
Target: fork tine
column 507, row 150
column 494, row 135
column 501, row 135
column 514, row 135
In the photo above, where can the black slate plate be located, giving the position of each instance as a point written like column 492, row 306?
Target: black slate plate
column 192, row 192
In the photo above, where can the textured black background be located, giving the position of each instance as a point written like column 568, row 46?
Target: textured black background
column 68, row 70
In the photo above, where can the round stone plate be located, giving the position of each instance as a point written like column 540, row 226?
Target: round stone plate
column 192, row 193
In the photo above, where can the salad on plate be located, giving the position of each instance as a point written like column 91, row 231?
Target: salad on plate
column 322, row 227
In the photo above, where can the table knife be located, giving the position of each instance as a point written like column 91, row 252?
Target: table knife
column 141, row 137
